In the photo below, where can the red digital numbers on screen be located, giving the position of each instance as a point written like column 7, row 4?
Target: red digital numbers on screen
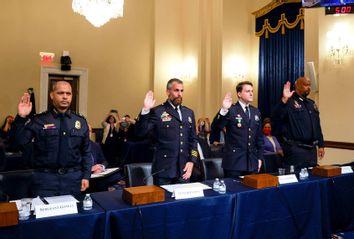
column 344, row 9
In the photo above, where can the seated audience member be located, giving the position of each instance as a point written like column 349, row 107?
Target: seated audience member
column 271, row 144
column 2, row 157
column 203, row 131
column 217, row 141
column 99, row 164
column 5, row 128
column 110, row 137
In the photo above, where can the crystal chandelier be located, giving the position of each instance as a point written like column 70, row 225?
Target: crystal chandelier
column 98, row 12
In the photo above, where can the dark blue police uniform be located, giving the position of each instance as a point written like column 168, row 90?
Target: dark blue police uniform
column 176, row 141
column 61, row 150
column 243, row 140
column 297, row 126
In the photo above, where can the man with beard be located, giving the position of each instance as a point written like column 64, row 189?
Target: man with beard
column 243, row 150
column 61, row 146
column 297, row 120
column 173, row 129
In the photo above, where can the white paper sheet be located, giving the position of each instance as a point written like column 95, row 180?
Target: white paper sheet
column 60, row 199
column 171, row 187
column 106, row 172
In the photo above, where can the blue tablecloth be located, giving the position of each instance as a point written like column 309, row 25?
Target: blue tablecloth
column 340, row 202
column 84, row 225
column 314, row 208
column 207, row 217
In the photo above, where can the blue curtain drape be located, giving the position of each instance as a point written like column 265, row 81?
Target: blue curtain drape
column 281, row 53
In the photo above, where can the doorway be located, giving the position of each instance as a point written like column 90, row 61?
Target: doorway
column 78, row 76
column 74, row 82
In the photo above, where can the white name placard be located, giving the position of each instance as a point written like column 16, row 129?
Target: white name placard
column 55, row 209
column 284, row 179
column 184, row 193
column 346, row 169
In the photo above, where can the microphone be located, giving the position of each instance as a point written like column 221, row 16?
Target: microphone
column 154, row 173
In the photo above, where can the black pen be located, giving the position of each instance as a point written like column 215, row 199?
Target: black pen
column 43, row 200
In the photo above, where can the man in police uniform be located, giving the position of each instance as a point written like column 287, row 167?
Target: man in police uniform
column 62, row 163
column 173, row 127
column 297, row 120
column 243, row 151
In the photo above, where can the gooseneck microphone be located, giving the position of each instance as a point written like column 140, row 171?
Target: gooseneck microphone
column 154, row 173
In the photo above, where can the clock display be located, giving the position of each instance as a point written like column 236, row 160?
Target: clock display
column 345, row 9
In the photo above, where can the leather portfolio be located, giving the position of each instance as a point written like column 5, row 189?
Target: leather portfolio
column 143, row 195
column 260, row 181
column 326, row 171
column 8, row 214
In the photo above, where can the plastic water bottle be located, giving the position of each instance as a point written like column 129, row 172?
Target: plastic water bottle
column 306, row 173
column 303, row 174
column 87, row 203
column 216, row 185
column 222, row 187
column 292, row 169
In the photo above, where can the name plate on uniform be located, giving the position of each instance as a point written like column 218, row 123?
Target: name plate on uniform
column 55, row 209
column 284, row 179
column 188, row 192
column 346, row 169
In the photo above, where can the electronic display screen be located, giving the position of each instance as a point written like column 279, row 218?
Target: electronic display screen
column 325, row 3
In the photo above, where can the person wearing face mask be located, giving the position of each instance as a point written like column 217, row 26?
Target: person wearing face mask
column 297, row 121
column 271, row 144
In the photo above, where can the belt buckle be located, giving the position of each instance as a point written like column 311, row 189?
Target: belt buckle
column 62, row 171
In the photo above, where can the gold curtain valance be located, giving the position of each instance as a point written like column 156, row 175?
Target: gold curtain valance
column 282, row 24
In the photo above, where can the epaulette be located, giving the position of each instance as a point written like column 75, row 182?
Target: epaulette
column 312, row 101
column 78, row 114
column 41, row 113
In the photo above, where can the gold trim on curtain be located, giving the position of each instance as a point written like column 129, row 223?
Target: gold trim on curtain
column 282, row 23
column 269, row 7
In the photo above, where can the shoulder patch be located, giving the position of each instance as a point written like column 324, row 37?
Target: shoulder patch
column 312, row 101
column 42, row 113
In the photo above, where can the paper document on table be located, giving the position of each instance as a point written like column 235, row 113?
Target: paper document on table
column 60, row 199
column 171, row 187
column 105, row 173
column 36, row 202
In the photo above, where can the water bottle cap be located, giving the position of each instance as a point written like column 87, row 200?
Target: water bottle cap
column 87, row 194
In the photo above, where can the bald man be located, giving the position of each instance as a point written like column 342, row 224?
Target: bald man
column 297, row 120
column 62, row 156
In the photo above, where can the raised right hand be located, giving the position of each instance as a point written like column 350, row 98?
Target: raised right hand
column 287, row 93
column 24, row 106
column 227, row 102
column 149, row 100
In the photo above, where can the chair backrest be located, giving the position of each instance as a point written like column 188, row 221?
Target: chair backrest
column 16, row 184
column 138, row 174
column 271, row 163
column 212, row 168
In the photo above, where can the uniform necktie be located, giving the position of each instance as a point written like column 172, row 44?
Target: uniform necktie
column 63, row 142
column 247, row 111
column 179, row 112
